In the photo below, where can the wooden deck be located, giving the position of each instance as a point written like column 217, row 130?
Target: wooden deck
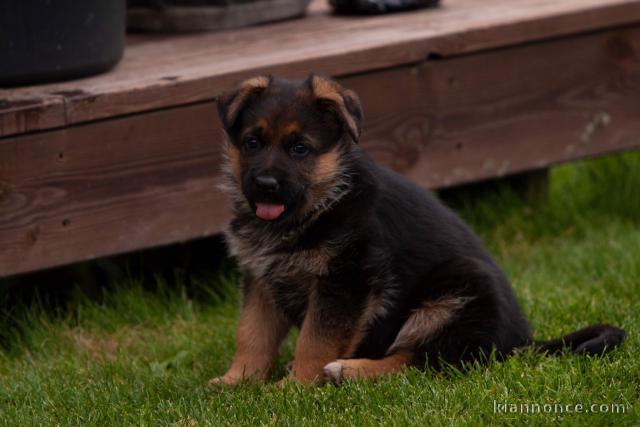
column 472, row 90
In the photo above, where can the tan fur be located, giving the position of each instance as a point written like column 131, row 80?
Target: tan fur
column 325, row 177
column 293, row 127
column 426, row 321
column 366, row 368
column 234, row 158
column 316, row 346
column 325, row 88
column 326, row 167
column 313, row 352
column 261, row 329
column 246, row 88
column 263, row 124
column 281, row 133
column 332, row 91
column 277, row 133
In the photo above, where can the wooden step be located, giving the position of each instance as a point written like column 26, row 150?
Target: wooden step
column 131, row 159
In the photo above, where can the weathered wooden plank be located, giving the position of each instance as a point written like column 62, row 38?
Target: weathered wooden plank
column 145, row 180
column 21, row 112
column 160, row 72
column 481, row 116
column 109, row 187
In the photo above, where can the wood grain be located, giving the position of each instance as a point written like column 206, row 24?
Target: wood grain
column 110, row 187
column 488, row 115
column 21, row 112
column 149, row 179
column 160, row 72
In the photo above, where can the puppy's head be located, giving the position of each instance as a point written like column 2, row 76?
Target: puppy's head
column 287, row 143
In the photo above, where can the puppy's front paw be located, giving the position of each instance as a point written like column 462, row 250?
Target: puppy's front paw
column 224, row 381
column 333, row 372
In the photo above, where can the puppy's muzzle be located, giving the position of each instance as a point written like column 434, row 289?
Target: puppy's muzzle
column 266, row 184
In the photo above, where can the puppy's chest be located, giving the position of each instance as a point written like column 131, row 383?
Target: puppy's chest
column 290, row 274
column 265, row 258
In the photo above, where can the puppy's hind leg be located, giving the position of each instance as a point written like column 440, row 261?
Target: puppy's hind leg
column 423, row 323
column 458, row 319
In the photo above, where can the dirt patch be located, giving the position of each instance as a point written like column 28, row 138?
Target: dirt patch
column 104, row 348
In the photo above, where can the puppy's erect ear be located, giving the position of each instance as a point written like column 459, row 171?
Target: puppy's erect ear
column 231, row 103
column 343, row 101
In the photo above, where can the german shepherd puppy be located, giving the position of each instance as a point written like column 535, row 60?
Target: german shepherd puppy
column 375, row 272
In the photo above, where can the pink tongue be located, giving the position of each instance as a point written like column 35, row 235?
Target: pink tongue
column 268, row 211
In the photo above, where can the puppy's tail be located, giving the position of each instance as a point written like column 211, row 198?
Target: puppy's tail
column 594, row 340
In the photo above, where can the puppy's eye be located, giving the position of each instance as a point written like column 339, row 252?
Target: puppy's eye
column 299, row 150
column 252, row 143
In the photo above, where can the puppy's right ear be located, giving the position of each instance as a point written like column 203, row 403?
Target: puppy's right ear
column 231, row 103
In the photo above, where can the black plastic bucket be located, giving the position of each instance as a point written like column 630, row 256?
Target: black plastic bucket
column 49, row 40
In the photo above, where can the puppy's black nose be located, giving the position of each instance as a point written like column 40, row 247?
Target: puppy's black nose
column 266, row 183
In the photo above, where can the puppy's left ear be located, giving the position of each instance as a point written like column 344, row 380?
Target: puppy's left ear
column 343, row 101
column 231, row 103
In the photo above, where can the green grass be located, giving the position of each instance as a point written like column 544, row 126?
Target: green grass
column 143, row 355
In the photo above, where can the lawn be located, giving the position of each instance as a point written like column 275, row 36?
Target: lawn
column 141, row 353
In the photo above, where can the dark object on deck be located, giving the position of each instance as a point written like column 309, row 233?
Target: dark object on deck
column 203, row 15
column 370, row 7
column 42, row 41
